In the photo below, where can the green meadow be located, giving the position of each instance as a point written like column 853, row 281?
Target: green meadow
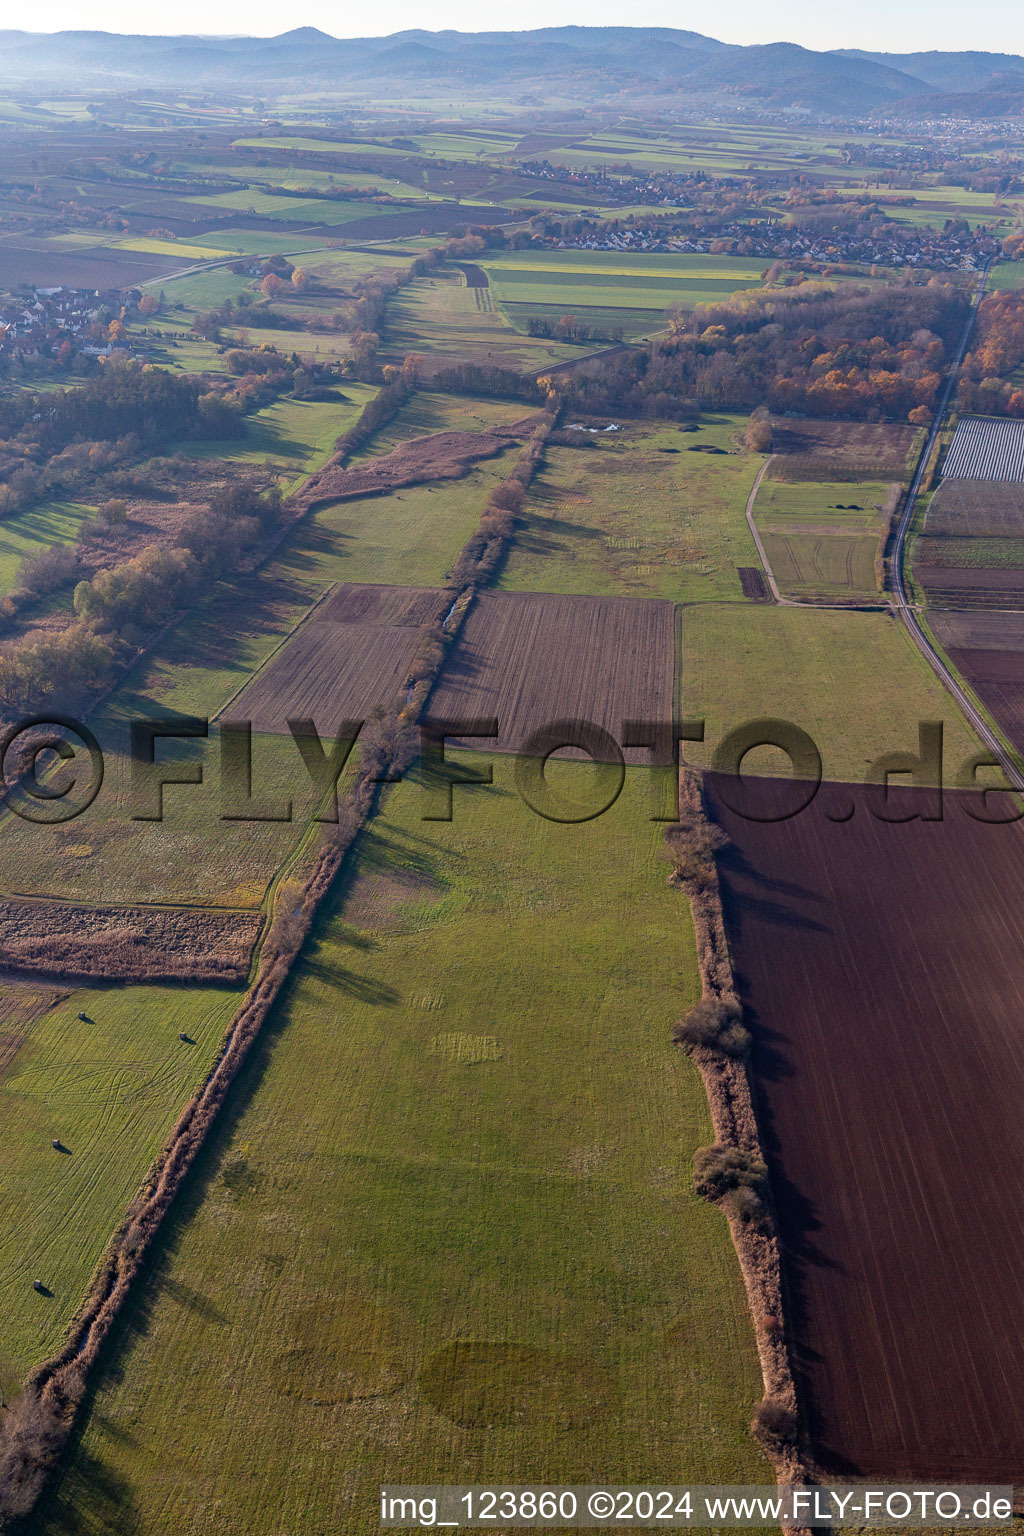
column 476, row 1245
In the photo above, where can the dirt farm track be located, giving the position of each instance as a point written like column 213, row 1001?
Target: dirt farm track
column 880, row 965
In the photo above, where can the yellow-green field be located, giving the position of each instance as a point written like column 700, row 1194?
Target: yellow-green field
column 613, row 291
column 854, row 681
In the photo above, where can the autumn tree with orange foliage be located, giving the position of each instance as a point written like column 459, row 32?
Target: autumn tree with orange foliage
column 986, row 383
column 823, row 349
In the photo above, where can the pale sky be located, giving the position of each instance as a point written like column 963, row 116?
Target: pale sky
column 893, row 26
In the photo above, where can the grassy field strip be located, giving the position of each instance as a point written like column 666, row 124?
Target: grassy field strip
column 476, row 1245
column 109, row 1089
column 853, row 681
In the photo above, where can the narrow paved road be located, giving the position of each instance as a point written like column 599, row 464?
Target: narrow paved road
column 904, row 606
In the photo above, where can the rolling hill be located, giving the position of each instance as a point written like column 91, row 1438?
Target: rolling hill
column 586, row 62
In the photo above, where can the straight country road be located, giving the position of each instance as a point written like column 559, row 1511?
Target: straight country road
column 905, row 608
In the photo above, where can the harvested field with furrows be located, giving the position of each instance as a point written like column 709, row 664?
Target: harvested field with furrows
column 351, row 655
column 986, row 510
column 949, row 586
column 364, row 603
column 55, row 938
column 879, row 963
column 840, row 450
column 442, row 456
column 986, row 448
column 979, row 631
column 829, row 567
column 951, row 551
column 988, row 652
column 530, row 659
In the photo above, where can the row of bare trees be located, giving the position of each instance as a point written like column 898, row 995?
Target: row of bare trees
column 732, row 1172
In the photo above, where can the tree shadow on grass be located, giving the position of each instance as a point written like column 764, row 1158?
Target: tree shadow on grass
column 98, row 1499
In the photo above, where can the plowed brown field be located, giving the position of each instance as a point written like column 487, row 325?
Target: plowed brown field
column 950, row 586
column 835, row 450
column 352, row 654
column 530, row 659
column 987, row 649
column 882, row 967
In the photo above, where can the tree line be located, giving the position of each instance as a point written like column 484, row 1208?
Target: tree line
column 986, row 383
column 843, row 350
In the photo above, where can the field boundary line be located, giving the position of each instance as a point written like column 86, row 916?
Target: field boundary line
column 730, row 1096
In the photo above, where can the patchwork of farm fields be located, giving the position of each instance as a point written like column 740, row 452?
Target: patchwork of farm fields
column 410, row 538
column 891, row 1115
column 443, row 1224
column 444, row 319
column 971, row 551
column 476, row 1244
column 532, row 282
column 987, row 649
column 824, row 540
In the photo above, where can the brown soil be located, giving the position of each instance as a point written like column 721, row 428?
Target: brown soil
column 879, row 966
column 950, row 586
column 351, row 656
column 530, row 659
column 879, row 449
column 752, row 580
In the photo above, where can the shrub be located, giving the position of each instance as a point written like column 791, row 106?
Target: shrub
column 113, row 513
column 774, row 1421
column 746, row 1205
column 719, row 1171
column 758, row 436
column 692, row 845
column 715, row 1024
column 49, row 570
